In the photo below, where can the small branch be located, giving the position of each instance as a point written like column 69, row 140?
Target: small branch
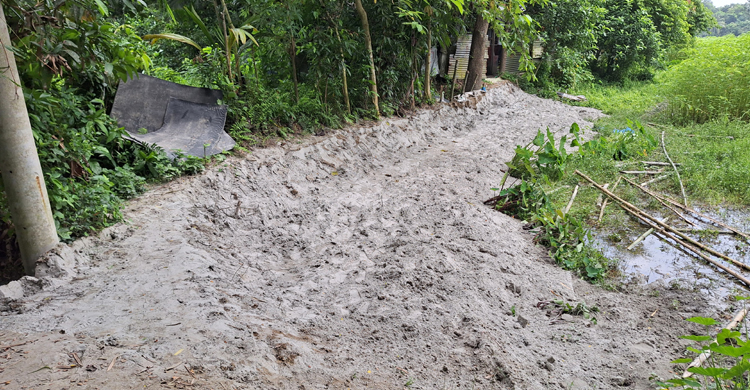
column 663, row 227
column 572, row 198
column 660, row 200
column 652, row 181
column 682, row 188
column 643, row 172
column 604, row 202
column 658, row 163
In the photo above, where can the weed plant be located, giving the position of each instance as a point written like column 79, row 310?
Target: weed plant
column 89, row 168
column 711, row 83
column 713, row 154
column 727, row 365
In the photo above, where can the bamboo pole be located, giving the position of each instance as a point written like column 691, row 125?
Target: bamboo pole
column 572, row 198
column 658, row 163
column 705, row 355
column 660, row 178
column 604, row 202
column 690, row 210
column 691, row 248
column 642, row 172
column 682, row 188
column 453, row 81
column 705, row 231
column 645, row 216
column 644, row 189
column 640, row 238
column 643, row 236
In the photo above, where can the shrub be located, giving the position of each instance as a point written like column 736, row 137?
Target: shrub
column 709, row 84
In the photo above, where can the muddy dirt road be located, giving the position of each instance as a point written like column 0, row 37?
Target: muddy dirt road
column 360, row 259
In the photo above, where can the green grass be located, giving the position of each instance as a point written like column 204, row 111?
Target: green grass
column 716, row 169
column 711, row 83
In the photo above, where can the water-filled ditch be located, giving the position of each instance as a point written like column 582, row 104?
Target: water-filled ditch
column 655, row 260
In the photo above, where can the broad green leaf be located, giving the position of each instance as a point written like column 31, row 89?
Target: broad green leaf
column 737, row 370
column 539, row 139
column 703, row 321
column 173, row 37
column 726, row 334
column 707, row 371
column 729, row 350
column 681, row 361
column 102, row 7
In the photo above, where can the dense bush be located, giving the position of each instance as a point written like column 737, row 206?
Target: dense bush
column 709, row 83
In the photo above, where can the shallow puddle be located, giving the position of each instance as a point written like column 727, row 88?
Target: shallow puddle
column 655, row 260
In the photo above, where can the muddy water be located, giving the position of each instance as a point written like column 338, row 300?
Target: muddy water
column 655, row 260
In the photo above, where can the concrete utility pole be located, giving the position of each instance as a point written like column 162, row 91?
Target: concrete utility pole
column 19, row 163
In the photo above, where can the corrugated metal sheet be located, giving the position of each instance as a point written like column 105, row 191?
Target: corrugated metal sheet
column 463, row 47
column 512, row 63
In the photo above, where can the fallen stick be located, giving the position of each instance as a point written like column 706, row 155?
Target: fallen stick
column 6, row 347
column 652, row 181
column 640, row 238
column 643, row 172
column 719, row 223
column 704, row 231
column 705, row 355
column 113, row 362
column 572, row 198
column 645, row 216
column 694, row 250
column 711, row 136
column 643, row 236
column 604, row 202
column 644, row 189
column 657, row 163
column 682, row 188
column 690, row 210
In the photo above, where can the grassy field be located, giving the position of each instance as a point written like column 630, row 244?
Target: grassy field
column 715, row 154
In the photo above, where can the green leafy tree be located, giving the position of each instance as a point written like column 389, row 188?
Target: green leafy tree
column 570, row 31
column 630, row 40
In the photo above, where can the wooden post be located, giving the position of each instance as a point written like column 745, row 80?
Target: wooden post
column 19, row 163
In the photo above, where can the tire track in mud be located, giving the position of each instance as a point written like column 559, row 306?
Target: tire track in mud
column 360, row 259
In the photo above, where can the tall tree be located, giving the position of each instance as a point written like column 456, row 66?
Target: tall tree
column 515, row 30
column 19, row 163
column 474, row 73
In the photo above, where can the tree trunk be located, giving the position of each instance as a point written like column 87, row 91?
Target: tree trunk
column 19, row 164
column 428, row 65
column 474, row 74
column 366, row 27
column 343, row 72
column 293, row 53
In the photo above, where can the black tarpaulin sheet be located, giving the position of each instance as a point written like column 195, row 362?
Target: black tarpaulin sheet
column 193, row 128
column 174, row 116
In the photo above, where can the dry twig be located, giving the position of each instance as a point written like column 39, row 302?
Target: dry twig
column 682, row 188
